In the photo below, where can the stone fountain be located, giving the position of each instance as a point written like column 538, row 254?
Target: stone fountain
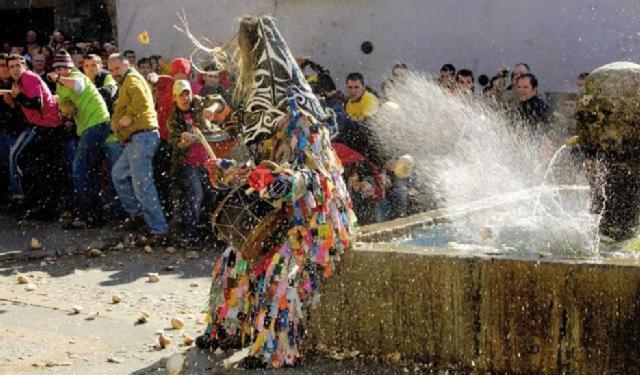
column 480, row 308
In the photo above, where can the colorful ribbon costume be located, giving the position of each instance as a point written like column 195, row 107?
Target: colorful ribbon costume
column 259, row 300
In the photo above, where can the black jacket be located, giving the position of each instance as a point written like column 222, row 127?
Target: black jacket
column 109, row 92
column 11, row 119
column 536, row 114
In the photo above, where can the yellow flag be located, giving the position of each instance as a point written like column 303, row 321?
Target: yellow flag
column 143, row 37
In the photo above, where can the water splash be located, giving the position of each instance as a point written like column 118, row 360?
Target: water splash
column 467, row 150
column 552, row 163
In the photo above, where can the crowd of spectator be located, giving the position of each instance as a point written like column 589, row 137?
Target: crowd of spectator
column 91, row 136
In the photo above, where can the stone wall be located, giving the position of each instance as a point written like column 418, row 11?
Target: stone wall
column 484, row 314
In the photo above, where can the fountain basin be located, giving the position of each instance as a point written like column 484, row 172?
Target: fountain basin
column 479, row 308
column 484, row 313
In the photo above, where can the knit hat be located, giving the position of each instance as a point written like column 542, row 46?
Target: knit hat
column 180, row 65
column 62, row 60
column 181, row 85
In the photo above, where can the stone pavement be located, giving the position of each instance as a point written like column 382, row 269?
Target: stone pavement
column 16, row 237
column 41, row 333
column 45, row 335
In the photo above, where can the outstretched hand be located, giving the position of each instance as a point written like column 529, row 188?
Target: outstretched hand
column 280, row 186
column 15, row 90
column 186, row 140
column 52, row 76
column 8, row 98
column 210, row 112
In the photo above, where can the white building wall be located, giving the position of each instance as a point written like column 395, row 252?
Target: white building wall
column 558, row 38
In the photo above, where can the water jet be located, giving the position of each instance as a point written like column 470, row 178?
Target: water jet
column 535, row 293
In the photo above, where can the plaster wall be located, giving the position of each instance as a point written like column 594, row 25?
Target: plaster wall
column 558, row 39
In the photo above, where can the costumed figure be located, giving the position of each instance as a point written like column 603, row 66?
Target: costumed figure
column 288, row 215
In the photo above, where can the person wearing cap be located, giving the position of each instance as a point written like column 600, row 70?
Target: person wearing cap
column 92, row 121
column 39, row 151
column 134, row 123
column 180, row 69
column 188, row 155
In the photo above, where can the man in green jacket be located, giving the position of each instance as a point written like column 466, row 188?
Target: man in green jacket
column 89, row 111
column 108, row 88
column 134, row 123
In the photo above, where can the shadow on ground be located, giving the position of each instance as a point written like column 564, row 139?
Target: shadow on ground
column 203, row 362
column 129, row 266
column 64, row 252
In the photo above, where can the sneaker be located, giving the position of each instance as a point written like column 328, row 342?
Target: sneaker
column 17, row 197
column 132, row 223
column 17, row 207
column 189, row 243
column 72, row 224
column 40, row 214
column 77, row 223
column 163, row 239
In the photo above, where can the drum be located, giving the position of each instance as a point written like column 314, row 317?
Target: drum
column 222, row 141
column 249, row 223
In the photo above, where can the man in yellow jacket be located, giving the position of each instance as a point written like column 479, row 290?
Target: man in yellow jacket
column 361, row 104
column 134, row 123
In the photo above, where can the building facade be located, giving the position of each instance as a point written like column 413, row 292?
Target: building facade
column 559, row 39
column 81, row 20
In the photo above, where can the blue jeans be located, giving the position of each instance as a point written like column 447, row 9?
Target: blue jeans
column 114, row 151
column 87, row 164
column 192, row 194
column 111, row 202
column 71, row 148
column 6, row 142
column 16, row 192
column 133, row 179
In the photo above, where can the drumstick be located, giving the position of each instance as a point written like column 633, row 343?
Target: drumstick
column 205, row 144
